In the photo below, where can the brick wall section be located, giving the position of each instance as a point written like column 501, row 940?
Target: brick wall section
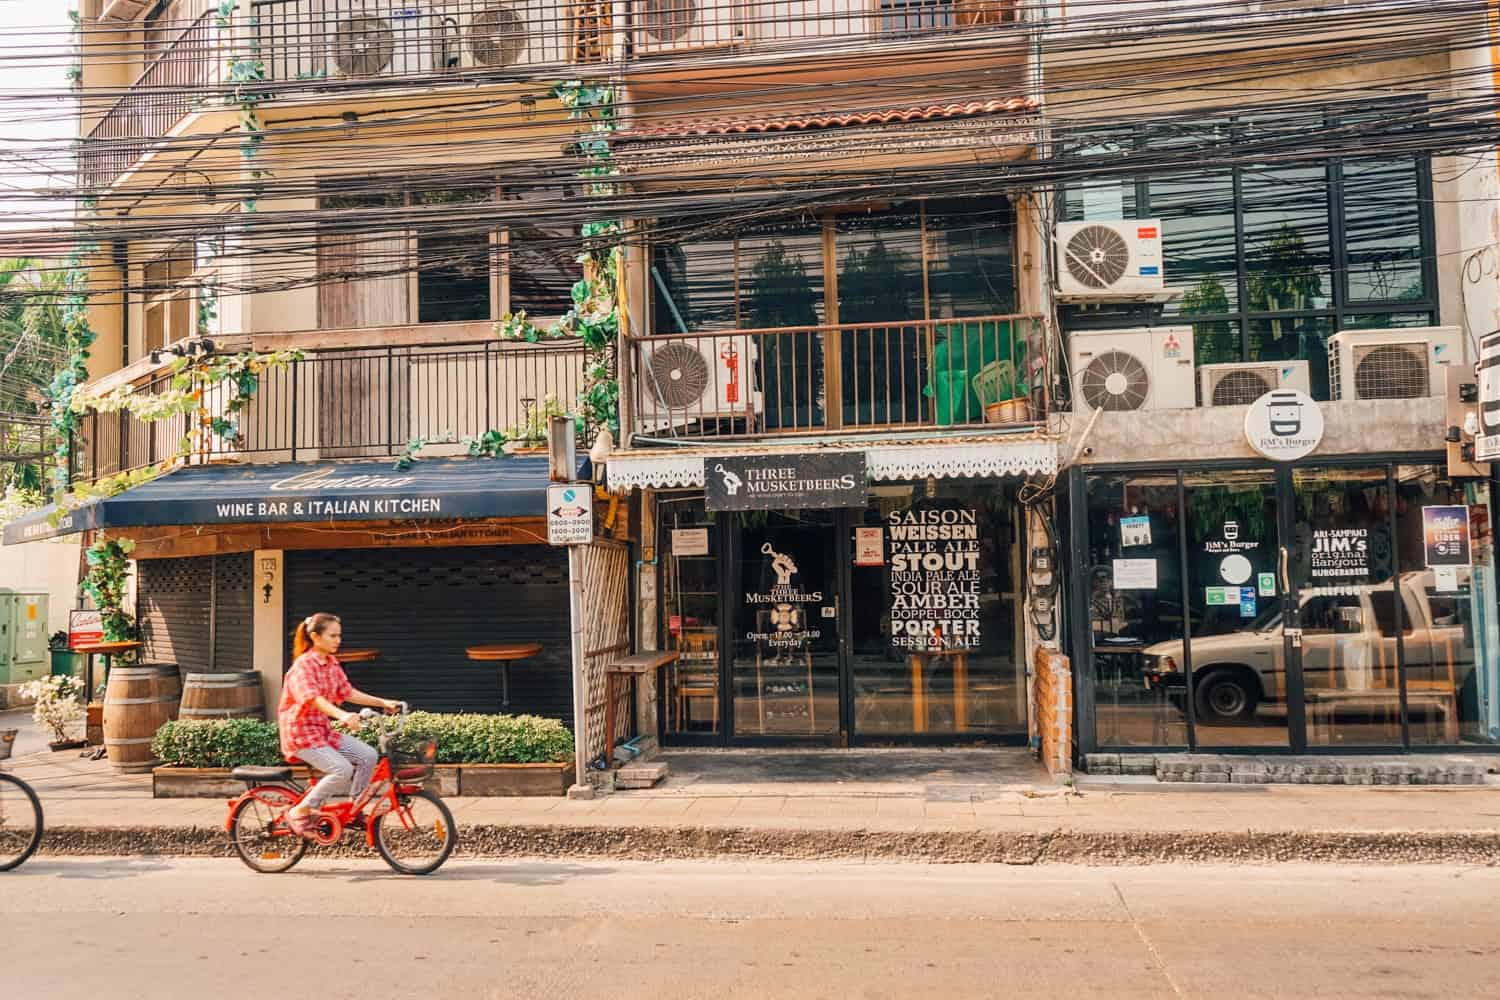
column 1053, row 708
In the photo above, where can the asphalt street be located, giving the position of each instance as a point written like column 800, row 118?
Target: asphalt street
column 163, row 928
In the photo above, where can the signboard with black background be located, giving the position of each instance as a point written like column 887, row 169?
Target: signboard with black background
column 786, row 482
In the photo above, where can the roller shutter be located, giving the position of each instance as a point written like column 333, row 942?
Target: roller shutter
column 421, row 607
column 196, row 612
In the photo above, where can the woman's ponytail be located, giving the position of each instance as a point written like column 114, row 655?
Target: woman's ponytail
column 312, row 625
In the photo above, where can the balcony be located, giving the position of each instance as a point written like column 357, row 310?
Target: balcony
column 939, row 374
column 356, row 403
column 176, row 82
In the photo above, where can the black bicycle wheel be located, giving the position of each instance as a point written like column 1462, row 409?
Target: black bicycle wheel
column 20, row 822
column 417, row 837
column 260, row 836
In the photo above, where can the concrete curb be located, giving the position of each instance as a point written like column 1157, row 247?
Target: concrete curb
column 642, row 843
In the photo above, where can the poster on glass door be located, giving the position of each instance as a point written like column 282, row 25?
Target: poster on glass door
column 934, row 562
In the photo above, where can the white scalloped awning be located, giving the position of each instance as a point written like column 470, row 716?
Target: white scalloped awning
column 967, row 460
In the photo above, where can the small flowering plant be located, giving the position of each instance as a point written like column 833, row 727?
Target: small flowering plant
column 57, row 705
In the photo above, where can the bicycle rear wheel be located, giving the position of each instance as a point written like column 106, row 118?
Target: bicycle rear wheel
column 20, row 822
column 259, row 833
column 417, row 836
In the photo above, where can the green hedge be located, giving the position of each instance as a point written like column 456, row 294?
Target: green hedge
column 218, row 743
column 460, row 739
column 488, row 739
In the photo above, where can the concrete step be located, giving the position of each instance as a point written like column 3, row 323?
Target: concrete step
column 641, row 775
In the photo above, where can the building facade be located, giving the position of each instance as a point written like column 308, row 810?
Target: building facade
column 939, row 328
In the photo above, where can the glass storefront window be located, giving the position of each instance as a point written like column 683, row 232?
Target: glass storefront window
column 934, row 628
column 1291, row 338
column 690, row 616
column 1343, row 562
column 1135, row 610
column 1451, row 644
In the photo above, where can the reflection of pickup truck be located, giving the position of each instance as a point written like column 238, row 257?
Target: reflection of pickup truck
column 1348, row 643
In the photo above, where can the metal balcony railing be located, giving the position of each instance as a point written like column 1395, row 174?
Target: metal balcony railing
column 356, row 403
column 852, row 377
column 176, row 82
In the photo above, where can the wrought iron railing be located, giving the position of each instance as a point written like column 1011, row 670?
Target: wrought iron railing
column 178, row 80
column 355, row 403
column 861, row 376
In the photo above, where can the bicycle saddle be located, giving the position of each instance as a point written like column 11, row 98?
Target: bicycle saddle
column 261, row 773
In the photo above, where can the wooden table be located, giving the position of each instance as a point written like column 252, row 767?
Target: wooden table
column 357, row 655
column 631, row 667
column 960, row 689
column 504, row 653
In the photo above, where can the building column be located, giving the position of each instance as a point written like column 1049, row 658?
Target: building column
column 269, row 624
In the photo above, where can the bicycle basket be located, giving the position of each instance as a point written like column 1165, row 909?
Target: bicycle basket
column 413, row 765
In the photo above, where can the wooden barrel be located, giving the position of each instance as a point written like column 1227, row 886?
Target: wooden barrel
column 222, row 696
column 137, row 701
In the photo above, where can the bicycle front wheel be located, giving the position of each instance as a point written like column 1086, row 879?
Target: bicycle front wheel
column 20, row 822
column 416, row 837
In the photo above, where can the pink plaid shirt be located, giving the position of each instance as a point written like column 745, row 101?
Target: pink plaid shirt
column 302, row 725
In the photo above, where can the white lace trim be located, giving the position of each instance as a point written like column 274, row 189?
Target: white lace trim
column 947, row 461
column 667, row 470
column 653, row 472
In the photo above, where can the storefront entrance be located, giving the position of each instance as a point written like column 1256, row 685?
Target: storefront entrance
column 1290, row 608
column 891, row 623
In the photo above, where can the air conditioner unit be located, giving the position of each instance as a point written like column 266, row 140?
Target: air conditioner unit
column 1241, row 383
column 1143, row 369
column 512, row 33
column 383, row 39
column 666, row 26
column 689, row 381
column 1393, row 364
column 1102, row 260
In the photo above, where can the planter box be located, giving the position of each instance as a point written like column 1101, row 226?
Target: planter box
column 215, row 782
column 515, row 779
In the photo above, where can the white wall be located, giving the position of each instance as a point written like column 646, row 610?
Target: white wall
column 49, row 567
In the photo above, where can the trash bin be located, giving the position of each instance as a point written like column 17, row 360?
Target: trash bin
column 67, row 663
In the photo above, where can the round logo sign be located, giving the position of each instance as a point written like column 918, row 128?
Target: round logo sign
column 1284, row 425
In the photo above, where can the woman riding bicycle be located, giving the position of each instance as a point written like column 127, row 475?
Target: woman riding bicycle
column 312, row 693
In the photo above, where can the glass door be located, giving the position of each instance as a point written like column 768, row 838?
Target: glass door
column 784, row 636
column 1246, row 689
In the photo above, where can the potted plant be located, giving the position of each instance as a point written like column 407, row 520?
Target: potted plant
column 65, row 662
column 57, row 707
column 530, row 437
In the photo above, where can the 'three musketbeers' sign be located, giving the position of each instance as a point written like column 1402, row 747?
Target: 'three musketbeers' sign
column 785, row 482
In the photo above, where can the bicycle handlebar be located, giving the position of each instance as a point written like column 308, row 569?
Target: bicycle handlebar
column 386, row 730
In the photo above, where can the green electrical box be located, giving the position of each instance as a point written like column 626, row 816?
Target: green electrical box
column 23, row 637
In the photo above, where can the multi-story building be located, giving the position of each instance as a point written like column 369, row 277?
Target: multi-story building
column 946, row 327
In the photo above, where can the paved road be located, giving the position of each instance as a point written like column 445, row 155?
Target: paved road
column 120, row 928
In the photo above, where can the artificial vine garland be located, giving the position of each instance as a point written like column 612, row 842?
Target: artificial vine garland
column 245, row 72
column 594, row 317
column 109, row 573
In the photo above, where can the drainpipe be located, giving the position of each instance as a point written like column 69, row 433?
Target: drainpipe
column 120, row 253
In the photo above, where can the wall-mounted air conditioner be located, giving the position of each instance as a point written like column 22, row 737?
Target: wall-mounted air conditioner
column 1393, row 364
column 1104, row 260
column 666, row 26
column 1143, row 369
column 1242, row 383
column 513, row 33
column 383, row 39
column 689, row 381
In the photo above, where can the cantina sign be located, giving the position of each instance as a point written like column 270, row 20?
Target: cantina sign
column 785, row 482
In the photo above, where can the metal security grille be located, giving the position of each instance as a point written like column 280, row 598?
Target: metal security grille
column 234, row 611
column 1391, row 371
column 421, row 607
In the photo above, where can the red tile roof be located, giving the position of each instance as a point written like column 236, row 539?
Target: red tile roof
column 791, row 123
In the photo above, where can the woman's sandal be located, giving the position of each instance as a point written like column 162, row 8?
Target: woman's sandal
column 302, row 826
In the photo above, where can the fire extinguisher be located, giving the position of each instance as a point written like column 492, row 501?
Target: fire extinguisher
column 731, row 358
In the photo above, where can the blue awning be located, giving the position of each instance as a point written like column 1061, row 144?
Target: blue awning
column 320, row 492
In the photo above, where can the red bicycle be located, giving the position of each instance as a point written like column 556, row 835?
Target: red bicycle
column 409, row 825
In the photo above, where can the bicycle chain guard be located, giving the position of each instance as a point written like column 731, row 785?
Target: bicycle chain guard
column 329, row 831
